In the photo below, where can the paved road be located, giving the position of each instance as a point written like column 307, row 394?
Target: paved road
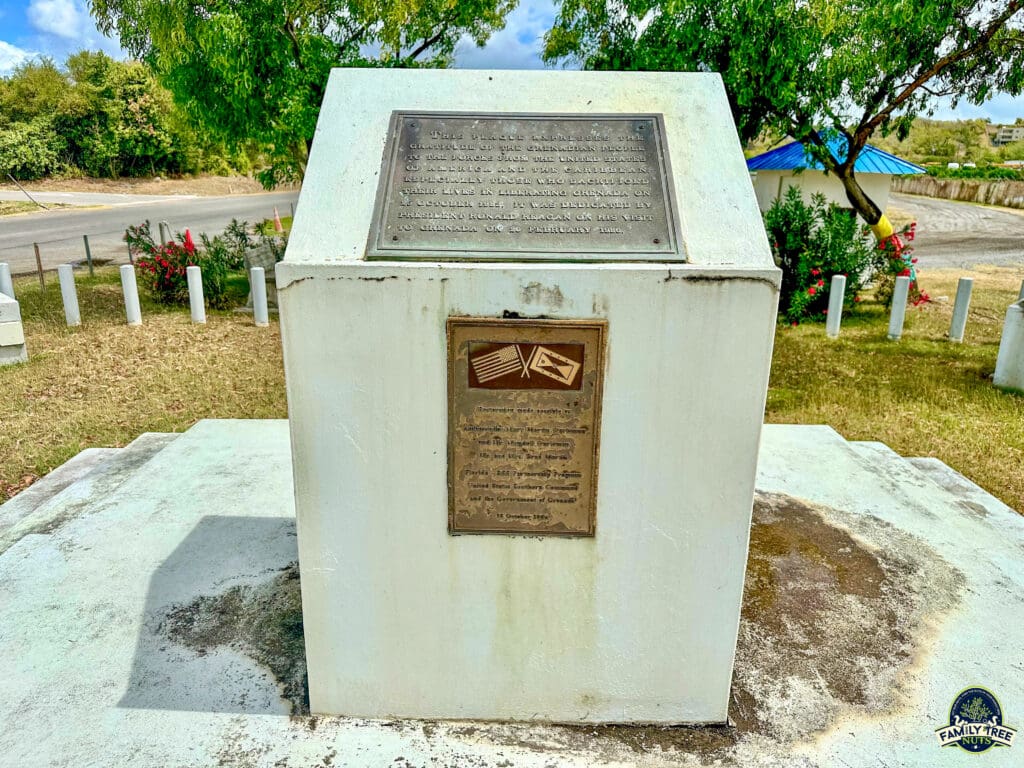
column 59, row 232
column 963, row 235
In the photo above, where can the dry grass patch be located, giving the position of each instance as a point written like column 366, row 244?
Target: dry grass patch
column 8, row 207
column 104, row 383
column 923, row 396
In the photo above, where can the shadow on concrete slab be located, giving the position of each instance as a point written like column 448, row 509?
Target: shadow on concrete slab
column 222, row 628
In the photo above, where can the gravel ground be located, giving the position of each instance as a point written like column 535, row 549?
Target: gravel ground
column 961, row 235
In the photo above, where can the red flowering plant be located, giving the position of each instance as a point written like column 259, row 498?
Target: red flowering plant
column 161, row 267
column 811, row 243
column 895, row 258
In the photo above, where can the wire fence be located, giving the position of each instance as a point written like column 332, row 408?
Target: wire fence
column 103, row 247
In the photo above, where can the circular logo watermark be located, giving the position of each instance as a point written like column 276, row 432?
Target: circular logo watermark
column 976, row 723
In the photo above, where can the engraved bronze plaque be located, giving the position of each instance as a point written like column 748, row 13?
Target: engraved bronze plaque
column 524, row 416
column 491, row 187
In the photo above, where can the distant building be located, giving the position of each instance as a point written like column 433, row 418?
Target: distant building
column 789, row 166
column 1007, row 134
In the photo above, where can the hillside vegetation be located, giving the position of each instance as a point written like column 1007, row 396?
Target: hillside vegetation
column 99, row 117
column 935, row 144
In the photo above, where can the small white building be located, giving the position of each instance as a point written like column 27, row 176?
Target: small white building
column 790, row 166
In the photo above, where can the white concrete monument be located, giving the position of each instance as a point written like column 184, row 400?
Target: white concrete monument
column 12, row 332
column 527, row 323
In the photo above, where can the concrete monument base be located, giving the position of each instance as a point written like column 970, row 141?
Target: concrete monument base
column 635, row 620
column 156, row 595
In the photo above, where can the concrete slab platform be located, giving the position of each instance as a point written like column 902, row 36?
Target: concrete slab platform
column 57, row 502
column 44, row 489
column 160, row 626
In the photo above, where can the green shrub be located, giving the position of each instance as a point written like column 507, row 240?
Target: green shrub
column 980, row 173
column 162, row 267
column 31, row 150
column 896, row 259
column 812, row 242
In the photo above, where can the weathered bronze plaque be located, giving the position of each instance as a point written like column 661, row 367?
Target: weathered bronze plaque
column 524, row 415
column 485, row 187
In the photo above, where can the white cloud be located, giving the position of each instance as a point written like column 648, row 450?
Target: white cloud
column 11, row 56
column 58, row 17
column 517, row 46
column 1002, row 108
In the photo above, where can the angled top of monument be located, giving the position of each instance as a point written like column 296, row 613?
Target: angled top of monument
column 698, row 203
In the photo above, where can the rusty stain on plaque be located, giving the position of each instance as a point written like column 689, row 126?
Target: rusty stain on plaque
column 491, row 187
column 524, row 415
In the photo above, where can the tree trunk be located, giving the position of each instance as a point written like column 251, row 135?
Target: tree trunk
column 861, row 203
column 864, row 205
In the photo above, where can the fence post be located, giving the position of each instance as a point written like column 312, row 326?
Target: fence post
column 88, row 253
column 39, row 267
column 130, row 289
column 131, row 257
column 899, row 307
column 6, row 284
column 960, row 307
column 69, row 295
column 836, row 294
column 1009, row 372
column 165, row 233
column 194, row 275
column 258, row 283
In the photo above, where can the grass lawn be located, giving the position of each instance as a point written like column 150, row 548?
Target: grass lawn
column 103, row 384
column 922, row 396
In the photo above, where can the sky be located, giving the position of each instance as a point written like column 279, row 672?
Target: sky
column 57, row 28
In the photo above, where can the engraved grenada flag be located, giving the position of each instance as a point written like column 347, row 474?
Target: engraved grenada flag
column 553, row 365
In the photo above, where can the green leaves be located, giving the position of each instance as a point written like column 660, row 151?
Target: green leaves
column 791, row 67
column 256, row 70
column 97, row 116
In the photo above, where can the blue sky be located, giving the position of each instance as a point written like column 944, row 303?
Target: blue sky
column 58, row 27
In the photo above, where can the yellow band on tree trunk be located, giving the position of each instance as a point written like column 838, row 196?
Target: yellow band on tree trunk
column 882, row 229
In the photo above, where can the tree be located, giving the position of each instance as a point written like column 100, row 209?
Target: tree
column 812, row 69
column 36, row 87
column 257, row 69
column 95, row 116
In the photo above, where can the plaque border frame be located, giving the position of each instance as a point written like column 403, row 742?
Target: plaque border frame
column 598, row 324
column 377, row 251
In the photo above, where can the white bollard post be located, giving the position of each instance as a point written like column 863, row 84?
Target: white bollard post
column 130, row 289
column 258, row 283
column 1010, row 360
column 899, row 307
column 6, row 284
column 69, row 295
column 960, row 308
column 194, row 275
column 836, row 294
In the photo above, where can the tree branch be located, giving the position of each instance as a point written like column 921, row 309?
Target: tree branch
column 865, row 129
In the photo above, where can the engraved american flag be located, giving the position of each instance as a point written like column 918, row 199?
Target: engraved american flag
column 495, row 364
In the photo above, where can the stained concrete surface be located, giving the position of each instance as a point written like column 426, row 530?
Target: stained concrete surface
column 158, row 625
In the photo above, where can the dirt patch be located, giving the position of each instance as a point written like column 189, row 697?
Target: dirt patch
column 837, row 608
column 833, row 616
column 154, row 185
column 264, row 622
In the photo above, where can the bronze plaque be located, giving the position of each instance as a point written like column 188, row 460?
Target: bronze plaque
column 487, row 187
column 524, row 416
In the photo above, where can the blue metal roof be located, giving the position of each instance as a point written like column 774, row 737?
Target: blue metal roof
column 792, row 156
